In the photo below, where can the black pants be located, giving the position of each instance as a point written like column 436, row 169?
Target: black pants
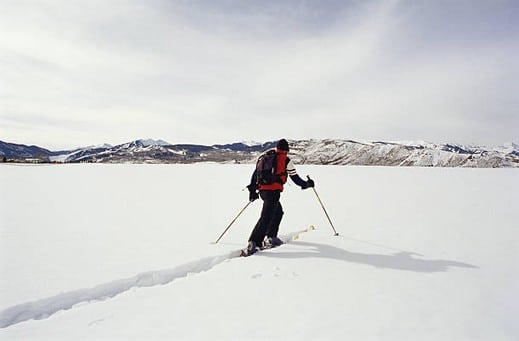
column 271, row 214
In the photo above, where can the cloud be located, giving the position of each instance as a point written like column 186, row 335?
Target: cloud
column 220, row 71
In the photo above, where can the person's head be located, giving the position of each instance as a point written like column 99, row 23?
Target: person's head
column 282, row 145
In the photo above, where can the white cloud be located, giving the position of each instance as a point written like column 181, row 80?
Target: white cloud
column 208, row 73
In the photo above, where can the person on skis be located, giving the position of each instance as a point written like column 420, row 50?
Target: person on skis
column 268, row 184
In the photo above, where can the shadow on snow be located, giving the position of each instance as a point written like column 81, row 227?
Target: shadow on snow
column 397, row 261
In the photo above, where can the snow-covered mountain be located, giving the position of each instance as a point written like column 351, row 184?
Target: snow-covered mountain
column 319, row 152
column 423, row 154
column 336, row 152
column 151, row 142
column 159, row 151
column 63, row 156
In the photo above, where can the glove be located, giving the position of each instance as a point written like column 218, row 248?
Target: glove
column 253, row 195
column 309, row 183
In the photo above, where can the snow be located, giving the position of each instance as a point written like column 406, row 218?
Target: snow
column 101, row 251
column 61, row 157
column 251, row 143
column 66, row 155
column 508, row 148
column 152, row 142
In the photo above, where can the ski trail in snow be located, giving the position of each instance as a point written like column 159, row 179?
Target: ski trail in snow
column 44, row 308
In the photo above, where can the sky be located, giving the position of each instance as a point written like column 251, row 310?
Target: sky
column 86, row 72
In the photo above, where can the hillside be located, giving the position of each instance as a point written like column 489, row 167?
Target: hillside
column 316, row 152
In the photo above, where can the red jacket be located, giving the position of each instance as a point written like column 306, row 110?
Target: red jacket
column 281, row 172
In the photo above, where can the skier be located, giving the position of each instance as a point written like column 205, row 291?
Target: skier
column 265, row 233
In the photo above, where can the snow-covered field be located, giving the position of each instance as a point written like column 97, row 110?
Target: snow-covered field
column 109, row 252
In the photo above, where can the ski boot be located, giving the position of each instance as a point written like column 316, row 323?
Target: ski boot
column 271, row 242
column 249, row 250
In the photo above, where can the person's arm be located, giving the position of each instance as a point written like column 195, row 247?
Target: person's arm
column 253, row 180
column 291, row 171
column 252, row 187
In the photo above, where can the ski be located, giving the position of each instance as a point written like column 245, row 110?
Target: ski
column 285, row 238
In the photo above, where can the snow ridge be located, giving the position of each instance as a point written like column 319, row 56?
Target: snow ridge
column 44, row 308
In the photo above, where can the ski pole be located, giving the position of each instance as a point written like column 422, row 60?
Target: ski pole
column 324, row 209
column 232, row 222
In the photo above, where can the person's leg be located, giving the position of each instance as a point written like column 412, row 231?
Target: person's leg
column 273, row 226
column 270, row 206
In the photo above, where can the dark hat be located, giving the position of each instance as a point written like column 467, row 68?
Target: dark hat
column 282, row 145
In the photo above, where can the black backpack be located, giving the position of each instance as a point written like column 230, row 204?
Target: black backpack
column 266, row 168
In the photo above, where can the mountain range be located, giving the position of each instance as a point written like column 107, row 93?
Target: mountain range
column 322, row 152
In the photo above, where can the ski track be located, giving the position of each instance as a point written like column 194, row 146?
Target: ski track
column 46, row 307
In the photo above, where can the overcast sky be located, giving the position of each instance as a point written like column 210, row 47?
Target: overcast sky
column 82, row 72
